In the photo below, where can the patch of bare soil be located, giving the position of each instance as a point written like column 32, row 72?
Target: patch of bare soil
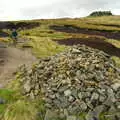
column 108, row 25
column 98, row 44
column 10, row 59
column 3, row 34
column 22, row 25
column 74, row 29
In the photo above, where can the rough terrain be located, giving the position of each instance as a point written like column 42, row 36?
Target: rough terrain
column 94, row 43
column 79, row 80
column 73, row 29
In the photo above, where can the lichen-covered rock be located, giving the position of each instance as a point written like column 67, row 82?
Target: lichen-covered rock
column 79, row 80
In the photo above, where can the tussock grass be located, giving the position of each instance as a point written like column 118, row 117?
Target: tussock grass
column 43, row 47
column 9, row 96
column 20, row 110
column 116, row 60
column 114, row 42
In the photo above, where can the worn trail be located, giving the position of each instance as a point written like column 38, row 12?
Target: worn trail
column 10, row 59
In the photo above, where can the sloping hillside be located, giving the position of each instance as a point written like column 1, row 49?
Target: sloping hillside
column 41, row 39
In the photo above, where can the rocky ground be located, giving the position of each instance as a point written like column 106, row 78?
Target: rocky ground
column 79, row 80
column 94, row 43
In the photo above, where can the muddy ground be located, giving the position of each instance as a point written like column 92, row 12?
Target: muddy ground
column 19, row 25
column 74, row 29
column 98, row 44
column 91, row 42
column 3, row 34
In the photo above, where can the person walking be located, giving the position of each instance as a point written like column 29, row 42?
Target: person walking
column 14, row 36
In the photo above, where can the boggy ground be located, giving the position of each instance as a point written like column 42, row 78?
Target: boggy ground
column 74, row 29
column 98, row 44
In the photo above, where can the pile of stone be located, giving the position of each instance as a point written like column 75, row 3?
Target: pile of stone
column 81, row 79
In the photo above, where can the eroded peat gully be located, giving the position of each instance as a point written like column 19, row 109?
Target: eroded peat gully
column 97, row 44
column 74, row 29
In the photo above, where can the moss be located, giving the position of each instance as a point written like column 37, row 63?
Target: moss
column 82, row 116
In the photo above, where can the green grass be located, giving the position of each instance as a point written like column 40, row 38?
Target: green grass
column 114, row 42
column 20, row 110
column 116, row 60
column 43, row 47
column 41, row 40
column 9, row 96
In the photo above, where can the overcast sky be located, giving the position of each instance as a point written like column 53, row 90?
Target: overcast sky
column 36, row 9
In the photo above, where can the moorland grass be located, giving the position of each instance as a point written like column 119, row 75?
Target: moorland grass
column 40, row 40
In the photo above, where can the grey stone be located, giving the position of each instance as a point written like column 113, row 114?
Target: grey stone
column 112, row 110
column 89, row 105
column 118, row 104
column 50, row 115
column 71, row 118
column 102, row 98
column 110, row 117
column 27, row 86
column 2, row 101
column 80, row 95
column 115, row 86
column 83, row 106
column 90, row 116
column 98, row 110
column 71, row 99
column 32, row 96
column 118, row 95
column 67, row 92
column 78, row 79
column 76, row 51
column 111, row 97
column 95, row 96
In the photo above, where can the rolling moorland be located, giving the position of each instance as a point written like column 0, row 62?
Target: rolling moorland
column 43, row 38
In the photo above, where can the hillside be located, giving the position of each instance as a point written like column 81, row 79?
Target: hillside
column 39, row 40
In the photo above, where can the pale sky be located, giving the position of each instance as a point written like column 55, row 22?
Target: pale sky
column 37, row 9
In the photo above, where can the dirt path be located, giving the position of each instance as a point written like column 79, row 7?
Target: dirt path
column 10, row 59
column 73, row 29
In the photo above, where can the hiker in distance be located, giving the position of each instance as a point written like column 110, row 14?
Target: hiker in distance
column 14, row 35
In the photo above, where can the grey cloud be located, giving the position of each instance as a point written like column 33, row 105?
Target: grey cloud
column 69, row 7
